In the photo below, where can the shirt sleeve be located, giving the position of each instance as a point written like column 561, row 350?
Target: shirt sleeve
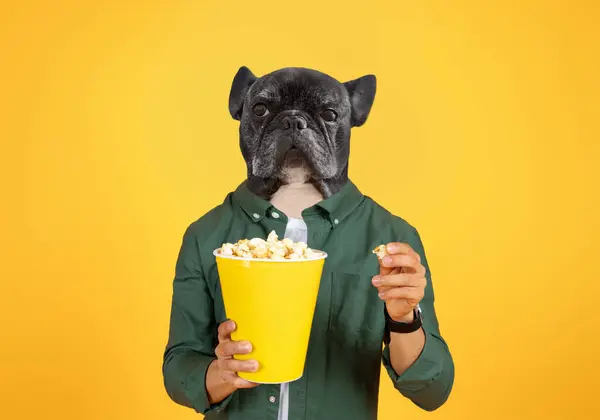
column 192, row 332
column 429, row 380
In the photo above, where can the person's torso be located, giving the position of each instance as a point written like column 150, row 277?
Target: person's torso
column 343, row 363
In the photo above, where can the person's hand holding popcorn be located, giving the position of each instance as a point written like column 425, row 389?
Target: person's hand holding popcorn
column 401, row 281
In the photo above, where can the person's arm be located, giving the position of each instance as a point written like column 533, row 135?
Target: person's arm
column 420, row 364
column 405, row 349
column 192, row 336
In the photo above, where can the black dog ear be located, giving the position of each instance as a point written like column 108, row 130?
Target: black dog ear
column 362, row 95
column 239, row 88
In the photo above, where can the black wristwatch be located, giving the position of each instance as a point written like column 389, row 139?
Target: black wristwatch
column 402, row 327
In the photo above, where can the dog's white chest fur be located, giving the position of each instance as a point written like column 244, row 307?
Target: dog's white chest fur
column 296, row 195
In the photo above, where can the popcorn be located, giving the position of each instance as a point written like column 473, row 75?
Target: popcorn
column 380, row 251
column 299, row 248
column 271, row 248
column 309, row 253
column 272, row 238
column 227, row 249
column 278, row 252
column 257, row 243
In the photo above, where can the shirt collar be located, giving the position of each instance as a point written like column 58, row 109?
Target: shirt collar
column 342, row 203
column 254, row 206
column 337, row 207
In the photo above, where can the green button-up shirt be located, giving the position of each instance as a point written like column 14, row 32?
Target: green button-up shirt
column 342, row 370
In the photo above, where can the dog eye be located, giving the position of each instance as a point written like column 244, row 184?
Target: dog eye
column 260, row 110
column 329, row 115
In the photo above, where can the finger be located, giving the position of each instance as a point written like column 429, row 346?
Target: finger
column 225, row 330
column 413, row 294
column 242, row 383
column 383, row 271
column 383, row 289
column 394, row 248
column 397, row 280
column 409, row 261
column 229, row 348
column 237, row 382
column 233, row 365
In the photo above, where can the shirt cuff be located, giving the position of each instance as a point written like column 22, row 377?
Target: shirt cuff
column 195, row 389
column 426, row 369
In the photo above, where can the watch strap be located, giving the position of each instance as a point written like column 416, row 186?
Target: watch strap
column 401, row 327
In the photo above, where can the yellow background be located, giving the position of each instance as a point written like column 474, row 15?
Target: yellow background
column 115, row 136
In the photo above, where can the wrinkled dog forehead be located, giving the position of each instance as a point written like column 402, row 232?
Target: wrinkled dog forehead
column 297, row 87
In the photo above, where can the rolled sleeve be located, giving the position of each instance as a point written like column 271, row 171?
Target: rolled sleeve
column 195, row 388
column 429, row 380
column 426, row 369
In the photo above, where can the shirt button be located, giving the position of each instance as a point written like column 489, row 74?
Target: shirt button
column 275, row 215
column 256, row 215
column 272, row 399
column 336, row 221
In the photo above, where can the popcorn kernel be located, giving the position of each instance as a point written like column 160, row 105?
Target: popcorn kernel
column 380, row 251
column 272, row 248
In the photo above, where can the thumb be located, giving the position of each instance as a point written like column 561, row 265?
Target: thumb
column 384, row 270
column 381, row 254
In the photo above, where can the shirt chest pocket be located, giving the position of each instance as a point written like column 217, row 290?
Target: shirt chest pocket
column 356, row 312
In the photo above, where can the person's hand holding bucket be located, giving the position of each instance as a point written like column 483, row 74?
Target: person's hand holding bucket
column 222, row 376
column 270, row 289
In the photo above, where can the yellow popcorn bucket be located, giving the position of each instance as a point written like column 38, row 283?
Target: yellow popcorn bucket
column 272, row 303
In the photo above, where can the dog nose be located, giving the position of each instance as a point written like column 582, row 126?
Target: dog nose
column 293, row 121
